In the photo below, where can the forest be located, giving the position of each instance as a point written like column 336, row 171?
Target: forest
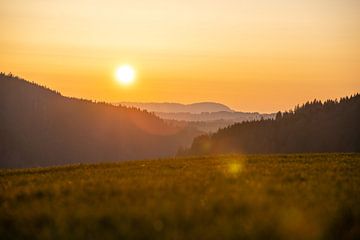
column 330, row 126
column 40, row 127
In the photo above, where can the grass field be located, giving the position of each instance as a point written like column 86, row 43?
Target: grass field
column 310, row 196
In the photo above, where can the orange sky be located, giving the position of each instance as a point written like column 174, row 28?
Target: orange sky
column 253, row 55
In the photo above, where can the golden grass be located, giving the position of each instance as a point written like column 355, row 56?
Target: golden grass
column 308, row 196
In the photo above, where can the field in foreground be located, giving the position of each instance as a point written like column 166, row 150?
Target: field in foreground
column 310, row 196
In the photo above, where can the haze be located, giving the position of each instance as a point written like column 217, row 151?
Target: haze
column 253, row 55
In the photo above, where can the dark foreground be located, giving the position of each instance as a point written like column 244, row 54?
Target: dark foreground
column 226, row 197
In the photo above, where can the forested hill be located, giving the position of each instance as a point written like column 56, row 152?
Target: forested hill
column 332, row 126
column 40, row 127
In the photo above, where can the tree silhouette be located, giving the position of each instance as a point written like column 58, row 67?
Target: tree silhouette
column 40, row 127
column 332, row 126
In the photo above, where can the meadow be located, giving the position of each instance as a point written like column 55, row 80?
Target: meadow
column 297, row 196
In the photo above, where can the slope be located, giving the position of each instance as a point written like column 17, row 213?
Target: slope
column 40, row 127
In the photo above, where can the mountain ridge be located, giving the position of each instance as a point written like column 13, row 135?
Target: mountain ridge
column 204, row 116
column 40, row 127
column 173, row 107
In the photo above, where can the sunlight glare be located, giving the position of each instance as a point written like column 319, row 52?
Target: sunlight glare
column 125, row 75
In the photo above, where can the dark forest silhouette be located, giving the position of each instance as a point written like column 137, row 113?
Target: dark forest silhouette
column 332, row 126
column 40, row 127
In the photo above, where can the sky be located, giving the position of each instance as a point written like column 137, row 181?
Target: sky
column 252, row 55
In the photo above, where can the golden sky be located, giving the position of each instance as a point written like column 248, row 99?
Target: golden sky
column 253, row 55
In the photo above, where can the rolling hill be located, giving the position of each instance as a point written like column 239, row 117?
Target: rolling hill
column 193, row 108
column 206, row 117
column 332, row 126
column 214, row 116
column 40, row 127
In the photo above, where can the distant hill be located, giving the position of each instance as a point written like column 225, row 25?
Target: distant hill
column 210, row 122
column 193, row 108
column 207, row 117
column 332, row 126
column 215, row 116
column 40, row 127
column 202, row 126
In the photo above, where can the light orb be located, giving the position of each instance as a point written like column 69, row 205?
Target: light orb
column 125, row 75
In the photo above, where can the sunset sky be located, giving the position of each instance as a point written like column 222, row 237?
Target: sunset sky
column 253, row 55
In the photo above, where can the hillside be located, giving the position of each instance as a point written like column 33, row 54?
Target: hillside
column 300, row 197
column 214, row 116
column 194, row 108
column 40, row 127
column 332, row 126
column 205, row 117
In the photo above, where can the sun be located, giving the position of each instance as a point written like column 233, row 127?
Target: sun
column 125, row 75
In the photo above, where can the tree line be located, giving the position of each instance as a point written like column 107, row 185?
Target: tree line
column 316, row 126
column 40, row 127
